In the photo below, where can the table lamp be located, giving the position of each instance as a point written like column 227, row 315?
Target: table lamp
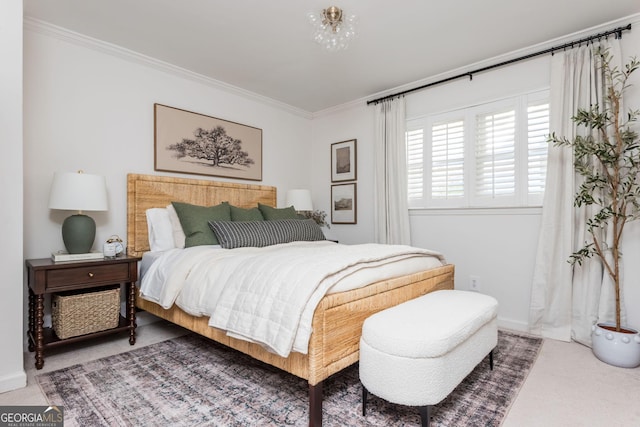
column 78, row 192
column 300, row 200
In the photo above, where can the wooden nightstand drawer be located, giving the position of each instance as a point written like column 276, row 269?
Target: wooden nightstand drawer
column 88, row 275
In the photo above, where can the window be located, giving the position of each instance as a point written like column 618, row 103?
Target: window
column 414, row 163
column 447, row 160
column 489, row 155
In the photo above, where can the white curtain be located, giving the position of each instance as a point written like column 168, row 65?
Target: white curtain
column 391, row 214
column 567, row 300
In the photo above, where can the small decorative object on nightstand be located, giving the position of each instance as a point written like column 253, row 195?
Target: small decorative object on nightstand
column 47, row 277
column 113, row 247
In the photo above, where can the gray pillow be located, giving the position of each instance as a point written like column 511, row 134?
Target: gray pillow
column 239, row 234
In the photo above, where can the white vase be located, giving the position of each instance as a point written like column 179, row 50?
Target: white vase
column 620, row 349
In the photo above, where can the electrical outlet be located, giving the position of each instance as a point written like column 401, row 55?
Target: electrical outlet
column 474, row 283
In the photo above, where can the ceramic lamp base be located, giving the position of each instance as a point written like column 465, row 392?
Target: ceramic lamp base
column 78, row 233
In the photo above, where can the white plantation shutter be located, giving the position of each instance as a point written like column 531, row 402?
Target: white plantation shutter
column 447, row 160
column 495, row 157
column 537, row 147
column 415, row 165
column 492, row 154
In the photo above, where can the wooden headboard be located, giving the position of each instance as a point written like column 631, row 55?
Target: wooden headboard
column 154, row 191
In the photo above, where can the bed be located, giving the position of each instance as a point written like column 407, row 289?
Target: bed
column 338, row 318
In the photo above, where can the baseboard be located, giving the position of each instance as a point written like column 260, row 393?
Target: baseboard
column 513, row 325
column 144, row 318
column 13, row 381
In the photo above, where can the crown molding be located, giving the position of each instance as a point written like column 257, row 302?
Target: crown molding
column 66, row 35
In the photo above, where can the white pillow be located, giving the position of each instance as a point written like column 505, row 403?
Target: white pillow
column 178, row 232
column 160, row 230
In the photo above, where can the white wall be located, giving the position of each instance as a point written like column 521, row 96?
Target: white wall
column 497, row 245
column 12, row 374
column 341, row 125
column 89, row 106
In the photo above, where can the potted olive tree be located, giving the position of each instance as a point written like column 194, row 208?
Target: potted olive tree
column 608, row 159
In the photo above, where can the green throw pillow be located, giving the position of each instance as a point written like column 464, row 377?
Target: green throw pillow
column 242, row 214
column 270, row 213
column 194, row 220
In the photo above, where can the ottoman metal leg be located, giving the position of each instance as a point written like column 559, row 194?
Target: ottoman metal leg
column 491, row 360
column 364, row 400
column 425, row 415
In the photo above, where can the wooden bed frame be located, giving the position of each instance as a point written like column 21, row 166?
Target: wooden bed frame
column 337, row 321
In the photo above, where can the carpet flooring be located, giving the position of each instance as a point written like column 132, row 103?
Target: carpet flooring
column 191, row 381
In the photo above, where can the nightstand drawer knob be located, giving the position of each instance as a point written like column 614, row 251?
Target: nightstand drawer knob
column 90, row 274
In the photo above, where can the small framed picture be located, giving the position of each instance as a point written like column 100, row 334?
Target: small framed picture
column 344, row 204
column 343, row 161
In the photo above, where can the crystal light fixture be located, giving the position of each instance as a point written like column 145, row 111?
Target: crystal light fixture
column 333, row 29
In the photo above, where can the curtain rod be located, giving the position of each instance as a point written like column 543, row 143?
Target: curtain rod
column 617, row 31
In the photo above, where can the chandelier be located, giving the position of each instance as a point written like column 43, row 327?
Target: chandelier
column 333, row 30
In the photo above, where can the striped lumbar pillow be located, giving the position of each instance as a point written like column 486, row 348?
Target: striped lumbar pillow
column 240, row 234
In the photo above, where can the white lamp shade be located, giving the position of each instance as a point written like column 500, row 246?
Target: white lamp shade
column 300, row 200
column 78, row 192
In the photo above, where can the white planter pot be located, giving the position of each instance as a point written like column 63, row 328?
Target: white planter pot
column 620, row 349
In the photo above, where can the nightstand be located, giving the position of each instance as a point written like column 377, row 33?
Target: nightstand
column 47, row 277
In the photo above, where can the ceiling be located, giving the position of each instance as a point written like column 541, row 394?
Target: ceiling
column 265, row 46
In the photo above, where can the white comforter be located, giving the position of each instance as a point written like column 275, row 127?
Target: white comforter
column 266, row 295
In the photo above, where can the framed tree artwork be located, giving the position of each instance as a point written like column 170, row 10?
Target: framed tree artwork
column 193, row 143
column 344, row 161
column 344, row 204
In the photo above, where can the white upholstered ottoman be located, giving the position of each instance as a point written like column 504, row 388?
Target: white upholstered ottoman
column 417, row 352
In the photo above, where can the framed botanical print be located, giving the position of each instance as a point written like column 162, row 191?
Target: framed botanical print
column 344, row 161
column 193, row 143
column 344, row 204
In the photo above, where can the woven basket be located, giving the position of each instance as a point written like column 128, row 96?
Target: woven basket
column 74, row 314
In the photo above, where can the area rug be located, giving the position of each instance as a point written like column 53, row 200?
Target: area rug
column 191, row 381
